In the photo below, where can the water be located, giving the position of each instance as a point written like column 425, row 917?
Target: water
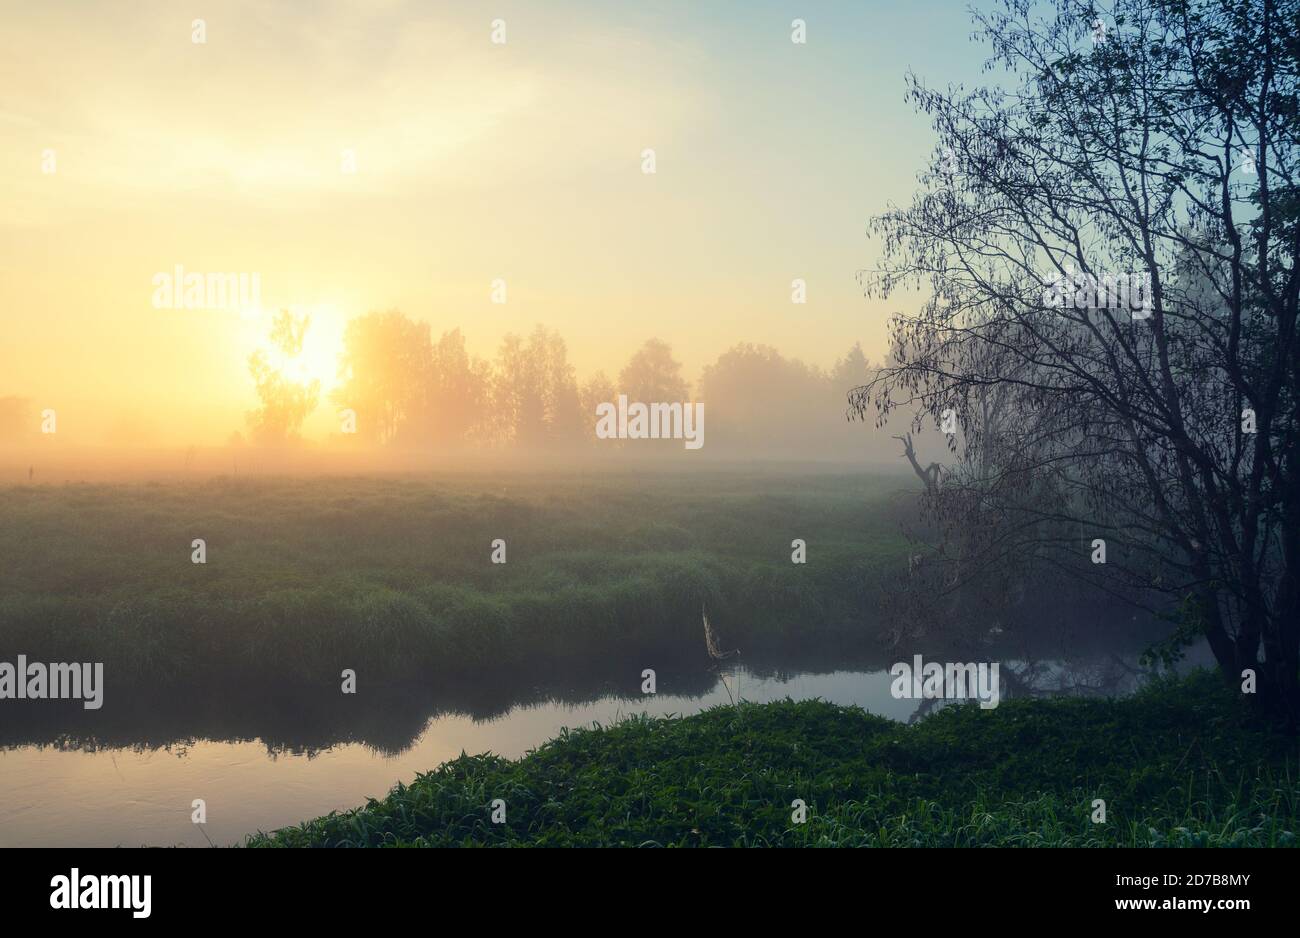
column 62, row 791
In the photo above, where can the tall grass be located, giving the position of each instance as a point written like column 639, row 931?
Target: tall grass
column 392, row 576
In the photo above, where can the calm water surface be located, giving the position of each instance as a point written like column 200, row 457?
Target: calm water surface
column 68, row 794
column 123, row 797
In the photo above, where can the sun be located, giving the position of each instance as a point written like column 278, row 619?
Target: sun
column 319, row 359
column 321, row 347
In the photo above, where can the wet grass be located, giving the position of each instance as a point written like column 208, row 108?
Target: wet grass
column 1180, row 764
column 391, row 576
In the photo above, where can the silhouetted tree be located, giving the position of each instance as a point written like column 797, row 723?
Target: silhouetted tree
column 598, row 389
column 758, row 399
column 535, row 392
column 851, row 371
column 456, row 392
column 653, row 375
column 285, row 402
column 384, row 371
column 1156, row 138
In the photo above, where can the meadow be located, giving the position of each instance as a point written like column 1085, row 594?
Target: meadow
column 605, row 574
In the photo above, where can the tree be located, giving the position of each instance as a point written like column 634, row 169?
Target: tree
column 762, row 400
column 285, row 402
column 384, row 372
column 653, row 375
column 851, row 371
column 456, row 393
column 535, row 392
column 598, row 389
column 1150, row 145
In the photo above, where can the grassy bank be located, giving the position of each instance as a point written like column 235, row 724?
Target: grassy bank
column 392, row 576
column 1179, row 764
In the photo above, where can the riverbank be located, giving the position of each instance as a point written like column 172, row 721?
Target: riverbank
column 1180, row 764
column 441, row 578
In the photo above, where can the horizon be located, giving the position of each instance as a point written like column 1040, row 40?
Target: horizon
column 133, row 149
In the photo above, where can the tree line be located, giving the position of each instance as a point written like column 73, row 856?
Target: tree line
column 408, row 389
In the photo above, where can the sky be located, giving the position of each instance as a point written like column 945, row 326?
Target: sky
column 474, row 161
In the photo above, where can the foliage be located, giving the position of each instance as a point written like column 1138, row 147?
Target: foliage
column 1179, row 764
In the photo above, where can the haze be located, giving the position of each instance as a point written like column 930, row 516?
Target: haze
column 475, row 162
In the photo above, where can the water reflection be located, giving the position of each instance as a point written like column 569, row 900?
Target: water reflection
column 128, row 774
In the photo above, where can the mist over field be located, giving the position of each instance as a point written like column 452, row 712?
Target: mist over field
column 634, row 425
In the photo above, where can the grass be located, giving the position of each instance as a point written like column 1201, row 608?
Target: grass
column 1179, row 764
column 391, row 576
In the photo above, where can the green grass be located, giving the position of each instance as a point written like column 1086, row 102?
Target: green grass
column 391, row 576
column 1180, row 764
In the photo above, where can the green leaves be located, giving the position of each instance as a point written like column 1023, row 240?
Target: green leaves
column 1022, row 775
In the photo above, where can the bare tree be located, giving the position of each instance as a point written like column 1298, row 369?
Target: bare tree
column 929, row 475
column 1109, row 240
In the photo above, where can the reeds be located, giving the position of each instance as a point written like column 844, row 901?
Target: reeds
column 718, row 656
